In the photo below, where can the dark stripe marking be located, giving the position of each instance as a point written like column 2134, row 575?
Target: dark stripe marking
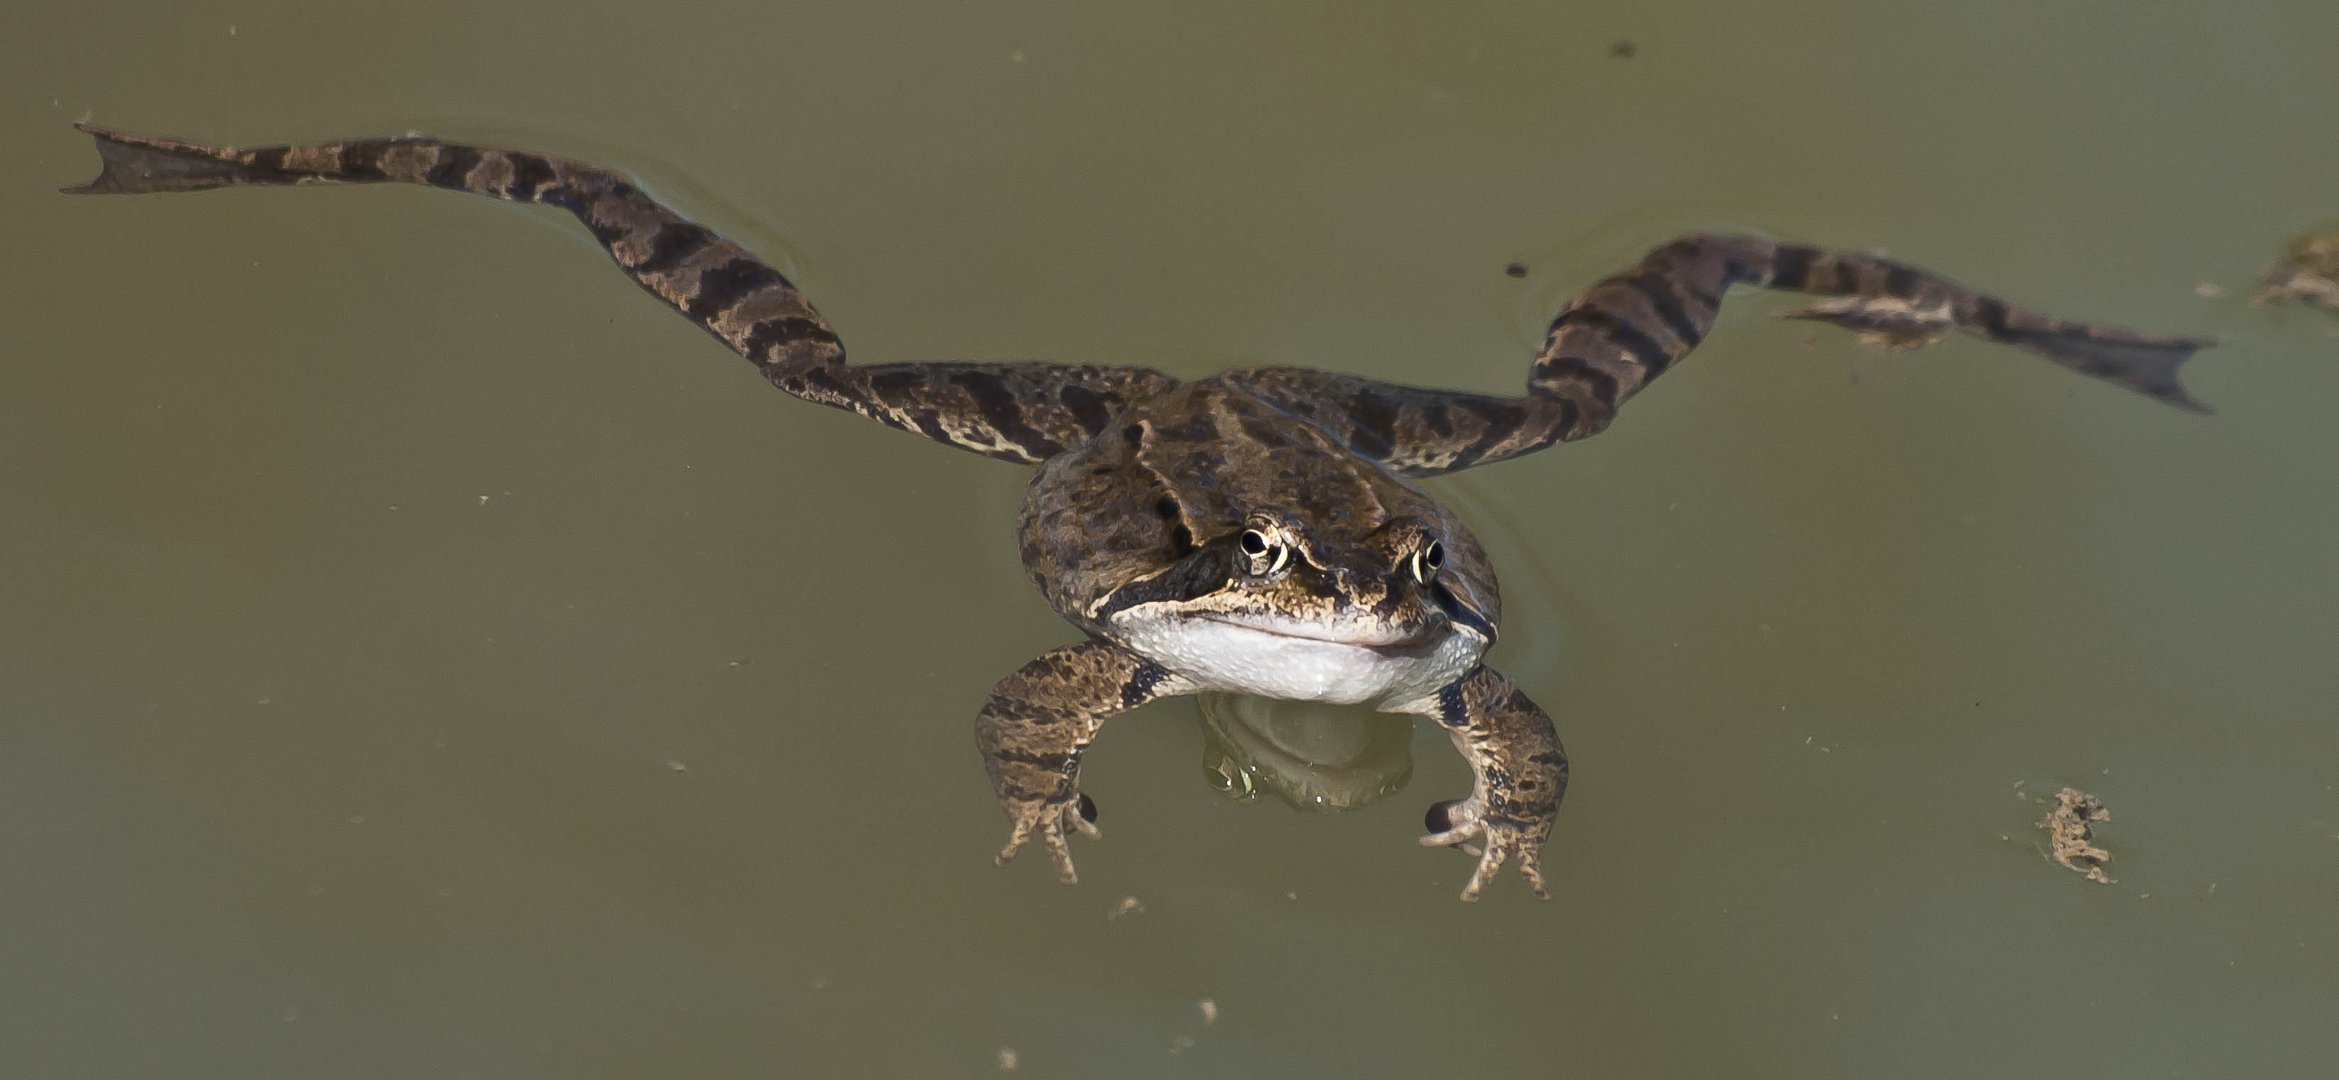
column 1087, row 407
column 1620, row 332
column 266, row 164
column 1667, row 304
column 1990, row 313
column 531, row 173
column 1139, row 689
column 676, row 241
column 1452, row 710
column 1045, row 762
column 1000, row 409
column 1501, row 420
column 1846, row 279
column 1576, row 369
column 720, row 288
column 454, row 166
column 1790, row 266
column 767, row 339
column 1437, row 420
column 1901, row 281
column 362, row 160
column 1374, row 421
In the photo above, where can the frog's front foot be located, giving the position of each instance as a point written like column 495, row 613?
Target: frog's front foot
column 1050, row 820
column 1521, row 775
column 1035, row 727
column 1458, row 821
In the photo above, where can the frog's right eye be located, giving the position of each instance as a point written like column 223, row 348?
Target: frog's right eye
column 1428, row 561
column 1265, row 553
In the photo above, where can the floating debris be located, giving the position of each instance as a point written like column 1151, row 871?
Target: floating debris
column 1129, row 905
column 2308, row 271
column 1209, row 1010
column 1008, row 1059
column 2070, row 826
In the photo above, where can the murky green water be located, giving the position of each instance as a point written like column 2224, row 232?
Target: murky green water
column 425, row 656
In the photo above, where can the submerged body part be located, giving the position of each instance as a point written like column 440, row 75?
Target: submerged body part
column 1253, row 532
column 1310, row 755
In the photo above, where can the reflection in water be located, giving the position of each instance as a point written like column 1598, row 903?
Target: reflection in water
column 1311, row 755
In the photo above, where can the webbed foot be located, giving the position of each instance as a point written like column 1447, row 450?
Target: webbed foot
column 1050, row 820
column 1458, row 821
column 1521, row 776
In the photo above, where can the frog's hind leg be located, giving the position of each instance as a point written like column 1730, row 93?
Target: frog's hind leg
column 1037, row 724
column 1619, row 335
column 1627, row 330
column 2144, row 364
column 1023, row 412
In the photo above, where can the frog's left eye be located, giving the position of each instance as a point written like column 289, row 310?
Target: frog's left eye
column 1267, row 554
column 1428, row 561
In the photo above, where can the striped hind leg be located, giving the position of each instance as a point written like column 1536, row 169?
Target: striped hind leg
column 1620, row 334
column 1023, row 412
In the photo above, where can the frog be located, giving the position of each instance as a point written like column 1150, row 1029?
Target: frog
column 1261, row 531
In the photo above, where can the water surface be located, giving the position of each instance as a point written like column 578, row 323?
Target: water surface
column 424, row 655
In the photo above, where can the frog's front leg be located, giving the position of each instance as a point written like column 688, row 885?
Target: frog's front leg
column 1038, row 722
column 1521, row 775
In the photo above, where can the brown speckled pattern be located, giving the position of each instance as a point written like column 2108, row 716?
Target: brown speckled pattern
column 1038, row 721
column 1521, row 775
column 1155, row 511
column 1147, row 485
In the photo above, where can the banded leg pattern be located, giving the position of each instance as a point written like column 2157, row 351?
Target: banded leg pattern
column 1039, row 721
column 1619, row 335
column 1630, row 328
column 1016, row 412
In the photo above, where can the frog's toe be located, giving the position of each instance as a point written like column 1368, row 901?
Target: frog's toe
column 1887, row 321
column 1459, row 821
column 1049, row 822
column 1506, row 841
column 1453, row 823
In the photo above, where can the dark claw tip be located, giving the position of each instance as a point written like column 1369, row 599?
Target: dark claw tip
column 1087, row 808
column 1440, row 816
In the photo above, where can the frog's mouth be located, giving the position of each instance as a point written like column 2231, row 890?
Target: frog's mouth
column 1275, row 655
column 1390, row 642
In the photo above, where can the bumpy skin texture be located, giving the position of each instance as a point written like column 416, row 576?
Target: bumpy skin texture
column 1035, row 726
column 1521, row 770
column 1192, row 529
column 1153, row 509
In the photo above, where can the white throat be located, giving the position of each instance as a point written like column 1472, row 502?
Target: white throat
column 1301, row 661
